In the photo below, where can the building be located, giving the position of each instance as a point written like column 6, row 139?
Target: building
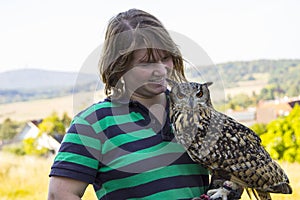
column 267, row 111
column 44, row 140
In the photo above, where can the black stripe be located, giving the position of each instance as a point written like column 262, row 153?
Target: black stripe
column 131, row 147
column 156, row 186
column 74, row 171
column 147, row 164
column 83, row 129
column 80, row 150
column 118, row 129
column 103, row 112
column 87, row 130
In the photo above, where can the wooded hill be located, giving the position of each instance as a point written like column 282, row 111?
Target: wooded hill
column 282, row 77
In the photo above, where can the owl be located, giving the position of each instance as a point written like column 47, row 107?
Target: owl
column 221, row 144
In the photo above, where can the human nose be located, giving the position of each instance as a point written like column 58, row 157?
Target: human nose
column 160, row 69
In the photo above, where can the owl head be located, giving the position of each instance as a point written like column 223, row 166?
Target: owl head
column 190, row 95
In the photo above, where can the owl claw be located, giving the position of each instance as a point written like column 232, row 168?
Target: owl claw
column 219, row 193
column 222, row 192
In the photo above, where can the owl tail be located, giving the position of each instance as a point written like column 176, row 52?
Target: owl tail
column 283, row 188
column 259, row 195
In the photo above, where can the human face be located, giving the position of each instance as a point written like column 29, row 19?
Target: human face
column 147, row 77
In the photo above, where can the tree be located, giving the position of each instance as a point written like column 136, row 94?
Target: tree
column 241, row 101
column 8, row 129
column 259, row 128
column 52, row 125
column 282, row 138
column 66, row 120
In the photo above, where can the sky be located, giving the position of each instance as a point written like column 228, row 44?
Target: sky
column 61, row 34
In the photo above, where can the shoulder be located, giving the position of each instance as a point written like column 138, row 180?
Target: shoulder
column 97, row 110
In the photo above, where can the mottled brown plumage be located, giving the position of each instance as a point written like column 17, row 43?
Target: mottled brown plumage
column 222, row 144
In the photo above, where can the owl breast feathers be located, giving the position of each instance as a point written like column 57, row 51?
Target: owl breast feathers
column 221, row 144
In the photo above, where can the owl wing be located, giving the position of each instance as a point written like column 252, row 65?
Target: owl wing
column 243, row 156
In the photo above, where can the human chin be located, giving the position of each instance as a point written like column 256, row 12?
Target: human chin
column 157, row 87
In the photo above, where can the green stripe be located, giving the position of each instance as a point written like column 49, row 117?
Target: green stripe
column 133, row 157
column 143, row 178
column 108, row 121
column 82, row 140
column 79, row 120
column 180, row 193
column 78, row 159
column 96, row 107
column 126, row 138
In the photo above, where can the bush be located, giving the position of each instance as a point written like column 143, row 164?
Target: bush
column 14, row 148
column 31, row 147
column 282, row 138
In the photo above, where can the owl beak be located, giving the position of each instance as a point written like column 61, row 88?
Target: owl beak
column 191, row 102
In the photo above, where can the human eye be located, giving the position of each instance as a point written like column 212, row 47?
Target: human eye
column 166, row 58
column 144, row 64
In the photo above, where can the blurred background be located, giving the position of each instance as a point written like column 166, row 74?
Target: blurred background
column 48, row 72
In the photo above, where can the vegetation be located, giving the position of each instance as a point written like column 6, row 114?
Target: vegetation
column 26, row 178
column 281, row 137
column 282, row 78
column 8, row 129
column 9, row 96
column 52, row 125
column 283, row 74
column 241, row 101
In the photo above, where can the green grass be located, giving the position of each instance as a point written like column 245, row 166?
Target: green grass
column 26, row 178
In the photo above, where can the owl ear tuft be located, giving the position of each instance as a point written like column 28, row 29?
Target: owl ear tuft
column 208, row 84
column 171, row 82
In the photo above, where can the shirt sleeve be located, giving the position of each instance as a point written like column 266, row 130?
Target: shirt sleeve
column 79, row 155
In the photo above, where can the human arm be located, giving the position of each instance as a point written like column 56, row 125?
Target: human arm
column 61, row 188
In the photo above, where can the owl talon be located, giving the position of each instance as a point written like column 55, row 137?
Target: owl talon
column 219, row 193
column 222, row 192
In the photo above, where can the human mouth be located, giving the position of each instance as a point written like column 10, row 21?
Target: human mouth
column 160, row 81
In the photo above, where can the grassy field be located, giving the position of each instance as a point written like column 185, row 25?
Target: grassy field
column 41, row 108
column 26, row 178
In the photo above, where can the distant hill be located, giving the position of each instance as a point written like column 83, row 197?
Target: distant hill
column 39, row 79
column 282, row 76
column 28, row 84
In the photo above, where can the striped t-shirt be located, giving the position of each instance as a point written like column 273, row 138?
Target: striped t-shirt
column 120, row 149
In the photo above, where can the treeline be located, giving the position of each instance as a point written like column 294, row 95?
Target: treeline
column 9, row 96
column 283, row 75
column 283, row 79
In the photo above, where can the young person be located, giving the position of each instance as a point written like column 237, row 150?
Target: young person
column 124, row 144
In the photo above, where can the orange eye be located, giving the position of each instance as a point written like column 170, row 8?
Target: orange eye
column 199, row 94
column 180, row 95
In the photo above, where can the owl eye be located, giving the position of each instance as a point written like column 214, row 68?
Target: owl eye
column 199, row 94
column 180, row 95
